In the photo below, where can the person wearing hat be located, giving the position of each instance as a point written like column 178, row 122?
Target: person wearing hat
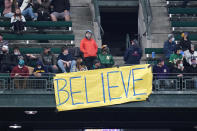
column 40, row 70
column 133, row 54
column 105, row 57
column 185, row 43
column 169, row 46
column 190, row 55
column 20, row 72
column 176, row 56
column 48, row 59
column 89, row 49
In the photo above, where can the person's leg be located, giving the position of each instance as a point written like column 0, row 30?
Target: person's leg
column 16, row 84
column 73, row 66
column 4, row 68
column 54, row 16
column 16, row 26
column 61, row 66
column 88, row 63
column 67, row 15
column 9, row 15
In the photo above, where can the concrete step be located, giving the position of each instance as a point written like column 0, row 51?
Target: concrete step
column 79, row 2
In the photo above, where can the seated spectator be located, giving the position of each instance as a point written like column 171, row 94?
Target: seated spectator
column 161, row 71
column 60, row 9
column 190, row 54
column 89, row 49
column 43, row 10
column 20, row 73
column 105, row 57
column 133, row 54
column 97, row 65
column 49, row 61
column 40, row 70
column 80, row 65
column 5, row 59
column 179, row 69
column 17, row 56
column 169, row 46
column 8, row 9
column 66, row 61
column 18, row 21
column 2, row 43
column 185, row 43
column 176, row 56
column 27, row 10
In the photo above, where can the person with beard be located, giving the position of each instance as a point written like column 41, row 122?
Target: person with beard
column 18, row 21
column 5, row 59
column 185, row 43
column 89, row 49
column 190, row 54
column 2, row 43
column 133, row 54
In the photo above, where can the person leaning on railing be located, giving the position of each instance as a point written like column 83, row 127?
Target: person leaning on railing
column 19, row 74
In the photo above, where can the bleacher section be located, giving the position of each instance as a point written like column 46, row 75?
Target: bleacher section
column 183, row 19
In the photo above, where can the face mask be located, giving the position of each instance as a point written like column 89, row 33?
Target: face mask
column 173, row 39
column 39, row 67
column 20, row 66
column 181, row 65
column 16, row 53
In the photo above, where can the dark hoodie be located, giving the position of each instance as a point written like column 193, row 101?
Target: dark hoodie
column 67, row 57
column 43, row 70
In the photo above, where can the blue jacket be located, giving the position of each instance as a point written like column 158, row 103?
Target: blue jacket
column 161, row 72
column 68, row 57
column 169, row 48
column 130, row 57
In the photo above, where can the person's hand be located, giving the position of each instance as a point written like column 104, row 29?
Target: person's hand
column 16, row 74
column 55, row 67
column 180, row 75
column 39, row 74
column 68, row 64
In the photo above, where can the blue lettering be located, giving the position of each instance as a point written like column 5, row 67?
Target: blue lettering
column 71, row 93
column 126, row 89
column 110, row 98
column 61, row 90
column 103, row 87
column 134, row 93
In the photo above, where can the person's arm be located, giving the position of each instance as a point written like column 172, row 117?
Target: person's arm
column 112, row 60
column 95, row 46
column 12, row 19
column 24, row 5
column 67, row 5
column 82, row 49
column 13, row 72
column 126, row 55
column 166, row 50
column 23, row 19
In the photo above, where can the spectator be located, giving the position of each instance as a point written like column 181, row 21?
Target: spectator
column 66, row 61
column 27, row 10
column 179, row 69
column 17, row 56
column 40, row 70
column 2, row 43
column 185, row 43
column 185, row 2
column 89, row 48
column 190, row 54
column 8, row 9
column 192, row 70
column 80, row 65
column 161, row 71
column 61, row 10
column 49, row 61
column 43, row 10
column 97, row 65
column 169, row 46
column 18, row 21
column 105, row 57
column 133, row 54
column 20, row 73
column 5, row 58
column 176, row 56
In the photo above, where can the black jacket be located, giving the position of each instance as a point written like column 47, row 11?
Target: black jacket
column 60, row 5
column 130, row 57
column 185, row 45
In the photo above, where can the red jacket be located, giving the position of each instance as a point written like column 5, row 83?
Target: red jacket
column 23, row 71
column 88, row 47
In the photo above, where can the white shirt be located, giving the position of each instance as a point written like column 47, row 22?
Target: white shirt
column 189, row 56
column 17, row 18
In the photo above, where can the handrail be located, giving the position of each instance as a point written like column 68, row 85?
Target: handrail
column 97, row 15
column 148, row 17
column 128, row 41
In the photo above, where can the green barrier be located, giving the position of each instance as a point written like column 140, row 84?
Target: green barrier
column 184, row 23
column 156, row 50
column 175, row 10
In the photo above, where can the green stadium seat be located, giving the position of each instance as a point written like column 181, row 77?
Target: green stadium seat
column 39, row 37
column 179, row 0
column 184, row 23
column 175, row 10
column 156, row 50
column 43, row 24
column 36, row 50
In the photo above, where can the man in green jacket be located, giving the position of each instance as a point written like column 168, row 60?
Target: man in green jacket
column 105, row 57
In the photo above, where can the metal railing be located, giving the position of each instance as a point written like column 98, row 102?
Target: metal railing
column 162, row 83
column 97, row 16
column 148, row 17
column 128, row 41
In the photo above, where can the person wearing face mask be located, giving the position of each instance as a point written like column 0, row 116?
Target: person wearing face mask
column 185, row 43
column 179, row 69
column 169, row 46
column 176, row 56
column 16, row 56
column 190, row 54
column 20, row 72
column 5, row 59
column 66, row 62
column 40, row 70
column 18, row 21
column 2, row 43
column 89, row 49
column 105, row 57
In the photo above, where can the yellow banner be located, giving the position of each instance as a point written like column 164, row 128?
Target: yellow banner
column 102, row 87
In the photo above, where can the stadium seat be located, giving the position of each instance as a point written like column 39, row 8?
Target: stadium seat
column 184, row 23
column 177, row 10
column 156, row 50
